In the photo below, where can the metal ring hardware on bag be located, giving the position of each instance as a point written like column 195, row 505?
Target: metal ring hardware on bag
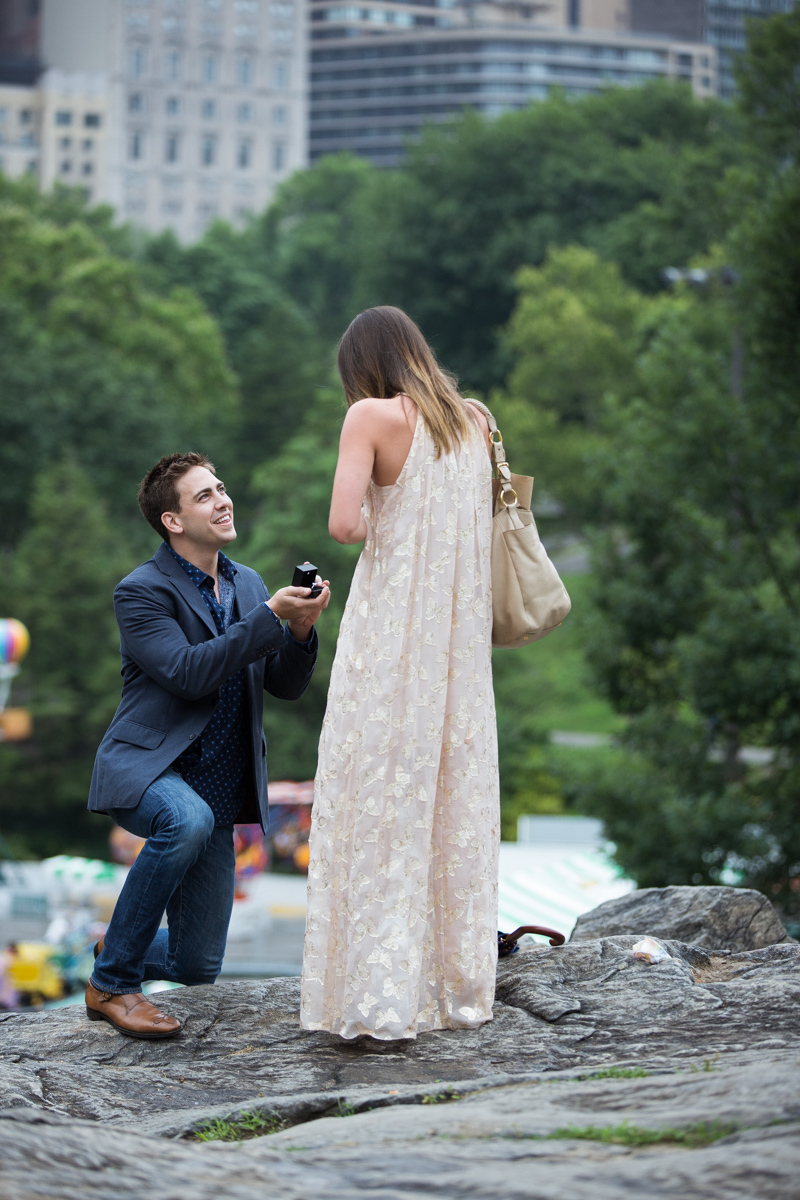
column 509, row 503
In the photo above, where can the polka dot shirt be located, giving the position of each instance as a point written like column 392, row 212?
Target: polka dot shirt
column 216, row 764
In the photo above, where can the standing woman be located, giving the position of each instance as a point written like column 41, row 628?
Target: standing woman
column 401, row 934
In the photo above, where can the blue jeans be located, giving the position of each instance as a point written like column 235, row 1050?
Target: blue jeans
column 187, row 868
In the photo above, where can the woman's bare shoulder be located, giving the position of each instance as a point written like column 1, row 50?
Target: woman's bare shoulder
column 373, row 413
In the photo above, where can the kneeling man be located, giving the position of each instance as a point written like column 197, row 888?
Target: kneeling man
column 185, row 755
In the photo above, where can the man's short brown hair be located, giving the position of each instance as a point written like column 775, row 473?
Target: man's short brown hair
column 158, row 492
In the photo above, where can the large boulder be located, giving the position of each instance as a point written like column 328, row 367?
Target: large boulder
column 717, row 918
column 591, row 1054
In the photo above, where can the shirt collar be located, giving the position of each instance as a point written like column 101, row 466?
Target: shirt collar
column 224, row 565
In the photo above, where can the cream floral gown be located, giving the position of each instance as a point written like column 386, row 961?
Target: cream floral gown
column 401, row 934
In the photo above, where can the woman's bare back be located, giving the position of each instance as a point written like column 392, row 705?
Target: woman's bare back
column 398, row 417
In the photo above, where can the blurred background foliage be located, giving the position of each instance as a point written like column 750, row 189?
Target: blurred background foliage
column 661, row 423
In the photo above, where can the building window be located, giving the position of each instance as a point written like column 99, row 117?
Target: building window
column 63, row 117
column 136, row 62
column 172, row 148
column 244, row 71
column 244, row 154
column 209, row 110
column 208, row 150
column 280, row 75
column 210, row 68
column 91, row 120
column 136, row 102
column 279, row 115
column 87, row 145
column 64, row 143
column 279, row 156
column 244, row 112
column 25, row 116
column 172, row 66
column 136, row 146
column 173, row 106
column 66, row 167
column 87, row 168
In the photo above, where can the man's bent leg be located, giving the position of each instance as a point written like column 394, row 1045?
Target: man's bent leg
column 191, row 949
column 178, row 825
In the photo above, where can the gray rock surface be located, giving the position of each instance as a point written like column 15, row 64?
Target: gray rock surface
column 86, row 1112
column 718, row 918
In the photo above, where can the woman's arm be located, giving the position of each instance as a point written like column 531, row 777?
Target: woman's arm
column 357, row 446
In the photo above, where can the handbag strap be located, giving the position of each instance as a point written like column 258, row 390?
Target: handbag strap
column 500, row 468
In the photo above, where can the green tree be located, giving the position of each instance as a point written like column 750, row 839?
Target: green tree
column 477, row 199
column 272, row 346
column 95, row 365
column 575, row 336
column 316, row 237
column 60, row 581
column 698, row 589
column 769, row 85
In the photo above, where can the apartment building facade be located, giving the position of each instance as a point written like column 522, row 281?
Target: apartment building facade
column 378, row 74
column 173, row 111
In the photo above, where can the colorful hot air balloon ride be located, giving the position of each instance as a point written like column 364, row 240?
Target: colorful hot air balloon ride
column 15, row 723
column 14, row 641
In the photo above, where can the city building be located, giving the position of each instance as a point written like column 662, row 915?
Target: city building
column 721, row 23
column 379, row 74
column 172, row 111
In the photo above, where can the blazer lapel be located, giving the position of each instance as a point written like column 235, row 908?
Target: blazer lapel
column 190, row 593
column 246, row 599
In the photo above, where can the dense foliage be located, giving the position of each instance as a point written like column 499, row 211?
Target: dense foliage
column 531, row 250
column 698, row 566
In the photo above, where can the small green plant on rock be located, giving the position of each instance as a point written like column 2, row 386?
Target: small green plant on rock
column 616, row 1073
column 238, row 1129
column 709, row 1064
column 441, row 1097
column 701, row 1134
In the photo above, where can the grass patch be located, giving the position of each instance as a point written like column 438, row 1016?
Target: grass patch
column 441, row 1097
column 617, row 1073
column 246, row 1125
column 709, row 1064
column 693, row 1136
column 344, row 1109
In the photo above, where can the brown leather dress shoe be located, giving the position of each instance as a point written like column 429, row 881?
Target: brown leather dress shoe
column 132, row 1014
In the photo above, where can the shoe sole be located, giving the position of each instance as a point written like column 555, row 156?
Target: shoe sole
column 94, row 1015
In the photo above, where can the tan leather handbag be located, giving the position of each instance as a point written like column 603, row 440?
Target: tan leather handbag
column 528, row 598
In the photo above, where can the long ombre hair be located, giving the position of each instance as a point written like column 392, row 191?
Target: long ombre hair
column 384, row 354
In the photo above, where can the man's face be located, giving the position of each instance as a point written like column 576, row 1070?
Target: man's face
column 205, row 517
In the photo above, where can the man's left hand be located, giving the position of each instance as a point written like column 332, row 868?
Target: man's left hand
column 300, row 627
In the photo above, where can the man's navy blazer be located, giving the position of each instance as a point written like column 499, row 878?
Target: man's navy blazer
column 173, row 665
